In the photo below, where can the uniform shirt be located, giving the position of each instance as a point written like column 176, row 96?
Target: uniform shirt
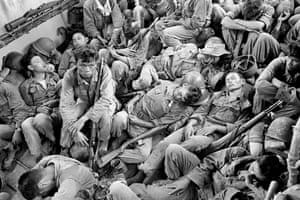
column 158, row 106
column 278, row 69
column 75, row 89
column 12, row 107
column 95, row 21
column 71, row 176
column 197, row 13
column 177, row 66
column 67, row 62
column 34, row 94
column 224, row 110
column 265, row 15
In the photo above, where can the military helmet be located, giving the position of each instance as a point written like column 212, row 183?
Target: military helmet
column 12, row 61
column 44, row 46
column 194, row 78
column 281, row 129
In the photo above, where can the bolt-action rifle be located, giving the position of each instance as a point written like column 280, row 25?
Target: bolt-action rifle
column 92, row 142
column 33, row 18
column 231, row 137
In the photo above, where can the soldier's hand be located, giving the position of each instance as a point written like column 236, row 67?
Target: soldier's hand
column 207, row 130
column 284, row 16
column 102, row 40
column 81, row 139
column 17, row 137
column 179, row 186
column 188, row 131
column 77, row 126
column 43, row 109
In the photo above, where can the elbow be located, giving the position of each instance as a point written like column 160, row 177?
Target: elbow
column 225, row 22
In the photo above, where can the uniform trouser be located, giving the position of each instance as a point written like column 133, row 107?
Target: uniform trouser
column 253, row 141
column 176, row 35
column 179, row 162
column 6, row 131
column 261, row 45
column 104, row 125
column 32, row 127
column 123, row 73
column 157, row 155
column 141, row 152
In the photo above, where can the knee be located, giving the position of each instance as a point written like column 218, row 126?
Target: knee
column 119, row 122
column 119, row 70
column 173, row 149
column 41, row 120
column 26, row 124
column 116, row 188
column 266, row 37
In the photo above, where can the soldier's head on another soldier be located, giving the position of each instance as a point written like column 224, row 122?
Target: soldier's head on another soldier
column 187, row 94
column 87, row 59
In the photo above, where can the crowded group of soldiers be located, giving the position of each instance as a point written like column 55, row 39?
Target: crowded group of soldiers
column 219, row 80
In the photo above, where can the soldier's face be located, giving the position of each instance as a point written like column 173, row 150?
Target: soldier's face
column 233, row 81
column 293, row 65
column 86, row 69
column 181, row 92
column 79, row 40
column 255, row 170
column 37, row 64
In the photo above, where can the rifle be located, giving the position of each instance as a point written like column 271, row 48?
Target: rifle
column 113, row 154
column 92, row 142
column 142, row 35
column 33, row 18
column 228, row 139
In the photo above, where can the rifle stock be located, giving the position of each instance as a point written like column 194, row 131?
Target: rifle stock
column 226, row 140
column 104, row 160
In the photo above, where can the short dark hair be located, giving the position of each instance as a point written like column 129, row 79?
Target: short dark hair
column 28, row 183
column 270, row 166
column 86, row 54
column 193, row 95
column 294, row 49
